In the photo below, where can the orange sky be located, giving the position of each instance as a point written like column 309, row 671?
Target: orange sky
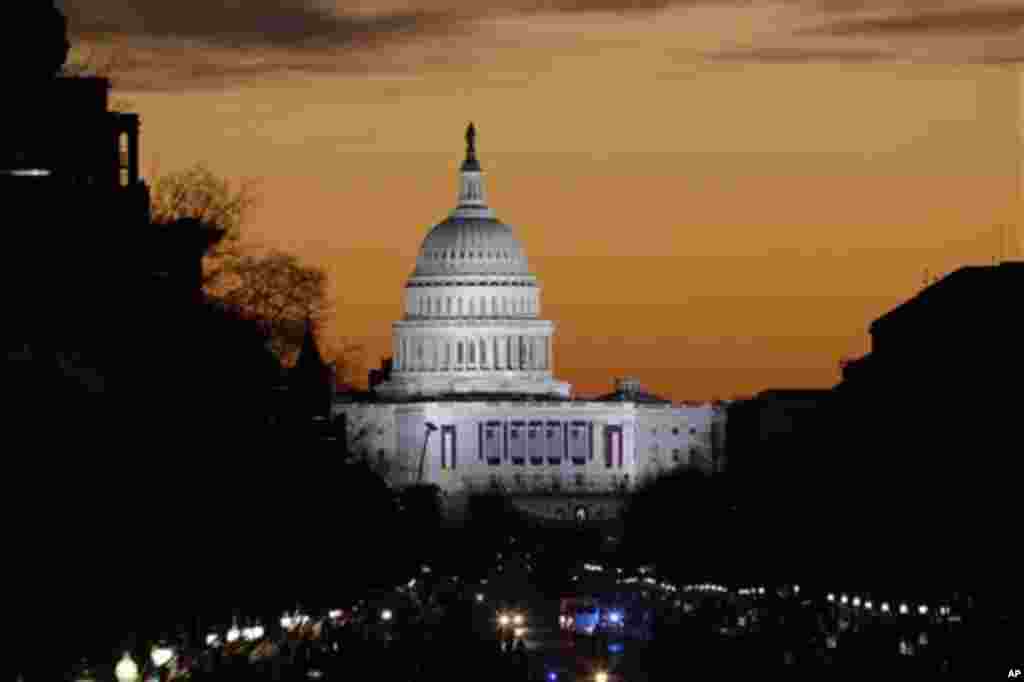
column 717, row 199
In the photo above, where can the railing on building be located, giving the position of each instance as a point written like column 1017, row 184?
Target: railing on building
column 546, row 484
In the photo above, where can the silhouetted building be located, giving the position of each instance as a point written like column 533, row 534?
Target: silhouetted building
column 311, row 380
column 923, row 426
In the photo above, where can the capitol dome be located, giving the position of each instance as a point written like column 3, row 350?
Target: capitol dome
column 471, row 246
column 471, row 320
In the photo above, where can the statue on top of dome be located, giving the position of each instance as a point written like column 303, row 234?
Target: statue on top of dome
column 471, row 164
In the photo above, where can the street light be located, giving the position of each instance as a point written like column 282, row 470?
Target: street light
column 126, row 669
column 161, row 655
column 386, row 615
column 601, row 676
column 430, row 428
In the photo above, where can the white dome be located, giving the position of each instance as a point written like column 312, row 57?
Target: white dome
column 471, row 321
column 471, row 246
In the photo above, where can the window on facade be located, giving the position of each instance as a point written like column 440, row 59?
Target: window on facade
column 492, row 444
column 675, row 455
column 448, row 448
column 675, row 431
column 693, row 430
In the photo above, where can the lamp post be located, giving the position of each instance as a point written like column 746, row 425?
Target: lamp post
column 430, row 428
column 161, row 655
column 126, row 670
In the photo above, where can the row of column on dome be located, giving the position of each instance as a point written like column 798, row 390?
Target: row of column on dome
column 496, row 305
column 518, row 352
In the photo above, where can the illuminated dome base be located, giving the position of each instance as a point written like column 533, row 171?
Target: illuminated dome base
column 410, row 384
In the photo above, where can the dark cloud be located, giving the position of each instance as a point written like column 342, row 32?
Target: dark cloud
column 968, row 21
column 620, row 6
column 237, row 23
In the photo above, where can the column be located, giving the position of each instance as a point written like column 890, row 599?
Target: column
column 398, row 354
column 550, row 357
column 133, row 153
column 434, row 359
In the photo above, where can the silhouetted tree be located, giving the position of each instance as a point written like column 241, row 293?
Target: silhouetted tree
column 197, row 192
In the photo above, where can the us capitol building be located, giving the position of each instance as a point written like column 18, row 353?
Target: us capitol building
column 469, row 400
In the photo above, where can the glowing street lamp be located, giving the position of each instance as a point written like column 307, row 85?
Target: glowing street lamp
column 161, row 655
column 126, row 670
column 601, row 676
column 831, row 597
column 518, row 619
column 922, row 609
column 903, row 609
column 856, row 601
column 504, row 620
column 479, row 597
column 386, row 615
column 885, row 607
column 844, row 599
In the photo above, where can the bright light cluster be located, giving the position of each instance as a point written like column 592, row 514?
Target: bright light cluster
column 705, row 587
column 903, row 608
column 252, row 633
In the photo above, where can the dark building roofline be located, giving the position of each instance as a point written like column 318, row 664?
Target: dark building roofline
column 962, row 281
